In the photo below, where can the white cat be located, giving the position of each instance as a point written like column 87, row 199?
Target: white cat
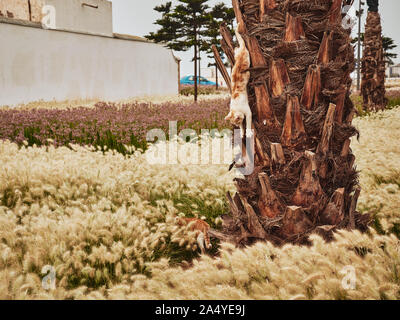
column 239, row 107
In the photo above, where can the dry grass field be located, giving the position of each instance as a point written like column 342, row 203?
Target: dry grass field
column 106, row 224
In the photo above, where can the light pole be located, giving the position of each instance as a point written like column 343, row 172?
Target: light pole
column 359, row 45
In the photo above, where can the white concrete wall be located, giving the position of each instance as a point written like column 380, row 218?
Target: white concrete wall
column 87, row 16
column 38, row 64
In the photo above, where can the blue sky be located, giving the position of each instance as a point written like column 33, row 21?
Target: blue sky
column 136, row 17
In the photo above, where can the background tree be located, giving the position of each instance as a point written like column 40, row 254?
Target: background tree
column 304, row 179
column 388, row 45
column 373, row 62
column 181, row 28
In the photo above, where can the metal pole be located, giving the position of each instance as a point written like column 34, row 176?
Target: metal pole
column 359, row 48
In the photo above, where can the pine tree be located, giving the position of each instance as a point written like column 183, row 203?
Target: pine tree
column 304, row 178
column 182, row 27
column 373, row 62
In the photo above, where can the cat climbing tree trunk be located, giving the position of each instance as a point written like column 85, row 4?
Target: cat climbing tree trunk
column 373, row 62
column 304, row 179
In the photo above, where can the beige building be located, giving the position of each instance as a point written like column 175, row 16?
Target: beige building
column 88, row 16
column 393, row 71
column 210, row 74
column 29, row 10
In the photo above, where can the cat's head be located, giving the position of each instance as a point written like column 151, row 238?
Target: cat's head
column 235, row 117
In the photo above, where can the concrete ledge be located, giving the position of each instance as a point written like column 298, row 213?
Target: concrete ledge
column 38, row 25
column 130, row 37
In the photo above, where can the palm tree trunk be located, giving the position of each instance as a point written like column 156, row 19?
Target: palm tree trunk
column 373, row 62
column 304, row 179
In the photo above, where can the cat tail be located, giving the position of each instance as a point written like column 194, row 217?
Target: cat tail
column 239, row 37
